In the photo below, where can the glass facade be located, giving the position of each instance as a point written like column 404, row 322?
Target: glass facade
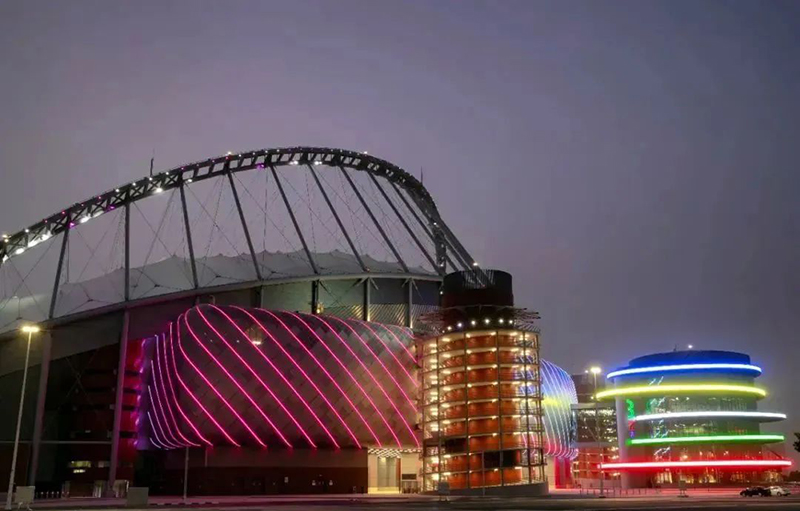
column 692, row 416
column 596, row 442
column 596, row 433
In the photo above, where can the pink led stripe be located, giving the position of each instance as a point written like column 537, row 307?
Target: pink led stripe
column 154, row 438
column 157, row 407
column 166, row 440
column 377, row 382
column 172, row 389
column 411, row 378
column 254, row 373
column 246, row 394
column 366, row 370
column 333, row 408
column 390, row 329
column 278, row 344
column 697, row 464
column 158, row 381
column 378, row 359
column 212, row 387
column 377, row 440
column 319, row 364
column 160, row 376
column 155, row 444
column 388, row 372
column 194, row 398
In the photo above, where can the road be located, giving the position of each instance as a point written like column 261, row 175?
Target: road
column 716, row 501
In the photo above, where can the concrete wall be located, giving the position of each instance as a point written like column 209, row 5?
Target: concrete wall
column 232, row 471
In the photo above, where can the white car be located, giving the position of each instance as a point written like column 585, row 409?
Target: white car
column 777, row 491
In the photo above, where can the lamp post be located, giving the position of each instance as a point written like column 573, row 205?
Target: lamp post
column 595, row 370
column 186, row 474
column 30, row 330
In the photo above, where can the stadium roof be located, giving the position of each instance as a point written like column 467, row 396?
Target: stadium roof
column 235, row 220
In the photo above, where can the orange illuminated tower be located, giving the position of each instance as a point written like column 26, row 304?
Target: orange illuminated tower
column 481, row 390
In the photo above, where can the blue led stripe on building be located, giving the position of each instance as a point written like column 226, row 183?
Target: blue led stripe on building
column 723, row 367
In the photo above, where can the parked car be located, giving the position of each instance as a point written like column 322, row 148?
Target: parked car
column 755, row 491
column 778, row 491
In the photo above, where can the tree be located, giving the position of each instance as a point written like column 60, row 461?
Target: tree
column 797, row 442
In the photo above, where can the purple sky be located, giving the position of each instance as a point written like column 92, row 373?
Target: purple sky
column 634, row 164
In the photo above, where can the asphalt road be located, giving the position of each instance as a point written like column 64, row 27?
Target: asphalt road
column 633, row 504
column 557, row 503
column 527, row 504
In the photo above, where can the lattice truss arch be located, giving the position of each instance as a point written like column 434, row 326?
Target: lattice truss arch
column 411, row 206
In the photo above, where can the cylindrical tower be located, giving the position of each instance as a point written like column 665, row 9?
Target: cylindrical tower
column 481, row 388
column 692, row 416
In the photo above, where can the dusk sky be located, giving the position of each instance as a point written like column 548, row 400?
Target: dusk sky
column 633, row 164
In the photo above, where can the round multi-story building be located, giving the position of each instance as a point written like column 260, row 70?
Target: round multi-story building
column 560, row 427
column 482, row 417
column 692, row 416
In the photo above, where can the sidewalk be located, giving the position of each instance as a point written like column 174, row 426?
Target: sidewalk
column 649, row 492
column 235, row 500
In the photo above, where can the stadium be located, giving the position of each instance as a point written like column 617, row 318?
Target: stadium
column 250, row 319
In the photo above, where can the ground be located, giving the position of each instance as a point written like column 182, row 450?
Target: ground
column 718, row 500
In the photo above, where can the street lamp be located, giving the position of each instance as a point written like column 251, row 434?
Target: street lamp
column 595, row 370
column 30, row 330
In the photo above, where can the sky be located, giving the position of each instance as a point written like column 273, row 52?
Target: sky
column 633, row 164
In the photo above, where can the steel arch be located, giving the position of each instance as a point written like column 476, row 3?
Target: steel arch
column 220, row 166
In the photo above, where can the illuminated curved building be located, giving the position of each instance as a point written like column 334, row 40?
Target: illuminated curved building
column 286, row 400
column 558, row 397
column 692, row 416
column 230, row 376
